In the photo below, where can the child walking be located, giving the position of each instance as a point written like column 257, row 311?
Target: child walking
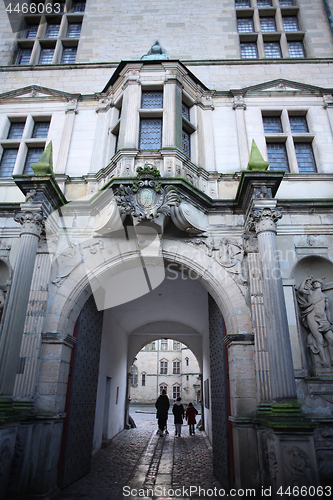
column 191, row 413
column 178, row 411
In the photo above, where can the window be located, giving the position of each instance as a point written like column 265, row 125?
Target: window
column 242, row 3
column 264, row 3
column 164, row 345
column 163, row 367
column 74, row 30
column 7, row 163
column 186, row 143
column 272, row 124
column 134, row 376
column 176, row 392
column 185, row 111
column 41, row 129
column 163, row 387
column 176, row 367
column 187, row 378
column 52, row 30
column 143, row 379
column 245, row 25
column 290, row 23
column 31, row 31
column 277, row 156
column 78, row 6
column 286, row 3
column 272, row 50
column 33, row 156
column 267, row 24
column 278, row 148
column 150, row 347
column 176, row 345
column 68, row 55
column 16, row 130
column 296, row 49
column 59, row 28
column 268, row 45
column 24, row 153
column 152, row 100
column 46, row 56
column 187, row 361
column 23, row 56
column 305, row 157
column 249, row 50
column 150, row 133
column 298, row 124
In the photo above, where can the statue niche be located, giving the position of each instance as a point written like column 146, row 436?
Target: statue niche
column 316, row 318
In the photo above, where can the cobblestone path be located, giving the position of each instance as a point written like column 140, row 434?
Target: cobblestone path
column 140, row 464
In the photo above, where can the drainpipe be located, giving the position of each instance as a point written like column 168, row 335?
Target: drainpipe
column 329, row 14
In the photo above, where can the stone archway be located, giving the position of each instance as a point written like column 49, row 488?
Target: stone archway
column 70, row 297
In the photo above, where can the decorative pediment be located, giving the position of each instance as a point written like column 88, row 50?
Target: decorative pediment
column 280, row 86
column 38, row 92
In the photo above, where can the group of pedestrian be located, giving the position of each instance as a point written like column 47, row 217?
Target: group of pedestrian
column 163, row 404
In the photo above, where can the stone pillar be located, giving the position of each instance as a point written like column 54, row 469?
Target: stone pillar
column 259, row 328
column 25, row 383
column 239, row 106
column 172, row 115
column 264, row 217
column 31, row 219
column 129, row 123
column 66, row 137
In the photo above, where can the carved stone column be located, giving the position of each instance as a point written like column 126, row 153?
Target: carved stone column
column 31, row 218
column 264, row 217
column 239, row 106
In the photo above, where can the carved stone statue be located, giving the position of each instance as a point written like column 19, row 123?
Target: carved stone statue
column 316, row 317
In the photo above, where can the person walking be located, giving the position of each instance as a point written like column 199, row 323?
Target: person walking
column 179, row 413
column 191, row 413
column 162, row 406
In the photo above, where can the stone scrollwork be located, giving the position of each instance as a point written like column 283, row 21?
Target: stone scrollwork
column 146, row 199
column 316, row 318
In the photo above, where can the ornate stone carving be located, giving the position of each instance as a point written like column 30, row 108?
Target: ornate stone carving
column 272, row 463
column 239, row 102
column 146, row 199
column 228, row 253
column 264, row 219
column 32, row 221
column 298, row 464
column 316, row 318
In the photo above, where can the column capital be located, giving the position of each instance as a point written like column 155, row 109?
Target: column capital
column 31, row 219
column 264, row 219
column 238, row 102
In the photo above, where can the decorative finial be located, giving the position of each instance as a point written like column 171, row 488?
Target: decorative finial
column 44, row 166
column 256, row 161
column 155, row 52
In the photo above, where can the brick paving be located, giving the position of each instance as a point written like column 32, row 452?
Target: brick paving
column 143, row 462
